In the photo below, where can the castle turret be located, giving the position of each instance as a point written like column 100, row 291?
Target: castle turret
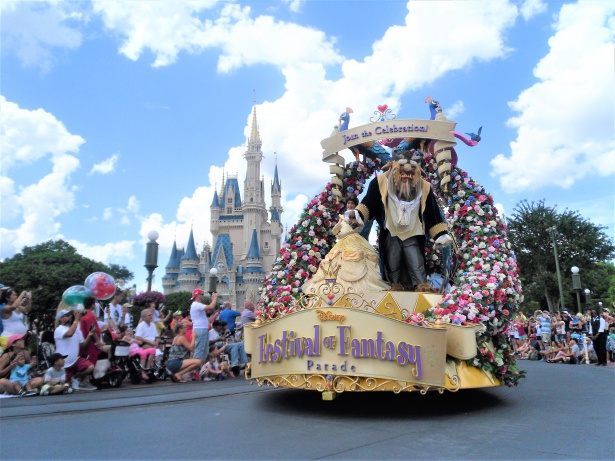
column 189, row 275
column 169, row 280
column 214, row 223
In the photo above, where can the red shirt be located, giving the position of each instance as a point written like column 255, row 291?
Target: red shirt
column 90, row 351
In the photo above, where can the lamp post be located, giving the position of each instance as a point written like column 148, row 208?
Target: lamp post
column 213, row 280
column 588, row 298
column 576, row 285
column 552, row 231
column 151, row 256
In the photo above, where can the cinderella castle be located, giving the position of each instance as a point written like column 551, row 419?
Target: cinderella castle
column 246, row 236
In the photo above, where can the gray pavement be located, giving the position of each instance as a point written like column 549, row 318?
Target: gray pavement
column 559, row 412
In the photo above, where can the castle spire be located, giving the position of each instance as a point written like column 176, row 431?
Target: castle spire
column 255, row 137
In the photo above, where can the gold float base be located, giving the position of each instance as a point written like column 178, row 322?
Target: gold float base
column 459, row 375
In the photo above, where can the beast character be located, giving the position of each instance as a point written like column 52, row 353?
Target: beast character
column 405, row 208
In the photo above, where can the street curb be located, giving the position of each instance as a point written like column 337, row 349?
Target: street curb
column 63, row 404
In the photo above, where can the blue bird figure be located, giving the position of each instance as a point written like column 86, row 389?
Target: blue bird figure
column 475, row 136
column 434, row 107
column 345, row 119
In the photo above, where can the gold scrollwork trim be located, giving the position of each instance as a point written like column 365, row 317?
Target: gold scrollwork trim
column 345, row 383
column 332, row 294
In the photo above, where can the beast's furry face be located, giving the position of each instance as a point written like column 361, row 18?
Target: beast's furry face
column 406, row 179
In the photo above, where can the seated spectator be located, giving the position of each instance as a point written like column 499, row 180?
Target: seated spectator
column 69, row 340
column 146, row 331
column 16, row 348
column 55, row 377
column 19, row 377
column 179, row 362
column 593, row 358
column 214, row 369
column 569, row 355
column 146, row 355
column 218, row 335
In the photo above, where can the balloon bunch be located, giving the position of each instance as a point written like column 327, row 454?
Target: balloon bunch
column 100, row 285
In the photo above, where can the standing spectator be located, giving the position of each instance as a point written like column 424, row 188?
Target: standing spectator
column 248, row 315
column 55, row 377
column 545, row 328
column 228, row 315
column 115, row 308
column 69, row 340
column 566, row 319
column 559, row 327
column 13, row 310
column 597, row 331
column 200, row 322
column 126, row 315
column 88, row 324
column 187, row 322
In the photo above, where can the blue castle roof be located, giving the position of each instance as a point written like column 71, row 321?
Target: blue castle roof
column 190, row 252
column 215, row 201
column 173, row 260
column 276, row 180
column 254, row 251
column 274, row 215
column 231, row 185
column 223, row 243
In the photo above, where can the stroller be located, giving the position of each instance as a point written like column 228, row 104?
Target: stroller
column 130, row 366
column 106, row 371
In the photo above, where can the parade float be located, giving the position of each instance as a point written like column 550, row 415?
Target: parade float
column 317, row 331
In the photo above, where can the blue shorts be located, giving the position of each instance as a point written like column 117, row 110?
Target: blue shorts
column 174, row 365
column 201, row 345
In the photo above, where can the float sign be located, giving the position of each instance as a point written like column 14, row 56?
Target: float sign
column 341, row 341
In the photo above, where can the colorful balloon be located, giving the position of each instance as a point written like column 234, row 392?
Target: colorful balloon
column 101, row 285
column 75, row 295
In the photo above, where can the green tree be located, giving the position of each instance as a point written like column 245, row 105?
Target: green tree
column 47, row 269
column 178, row 301
column 579, row 243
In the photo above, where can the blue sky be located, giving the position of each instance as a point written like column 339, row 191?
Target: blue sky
column 120, row 117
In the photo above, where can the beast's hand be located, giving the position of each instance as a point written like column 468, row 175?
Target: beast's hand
column 443, row 241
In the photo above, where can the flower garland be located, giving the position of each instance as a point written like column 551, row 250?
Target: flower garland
column 486, row 288
column 309, row 241
column 147, row 297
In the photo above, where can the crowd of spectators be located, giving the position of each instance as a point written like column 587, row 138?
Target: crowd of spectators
column 565, row 338
column 204, row 342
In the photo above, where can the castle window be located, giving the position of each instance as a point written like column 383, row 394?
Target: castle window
column 229, row 210
column 229, row 200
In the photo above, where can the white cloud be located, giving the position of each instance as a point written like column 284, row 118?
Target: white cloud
column 133, row 204
column 109, row 253
column 294, row 5
column 167, row 28
column 34, row 30
column 107, row 214
column 29, row 136
column 106, row 166
column 531, row 8
column 565, row 121
column 456, row 109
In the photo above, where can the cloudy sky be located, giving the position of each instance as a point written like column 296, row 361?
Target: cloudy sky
column 119, row 117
